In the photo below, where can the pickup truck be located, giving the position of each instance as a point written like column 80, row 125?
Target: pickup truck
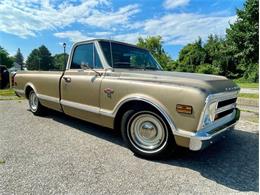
column 122, row 87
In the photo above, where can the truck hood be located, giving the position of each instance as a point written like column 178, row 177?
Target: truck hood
column 205, row 82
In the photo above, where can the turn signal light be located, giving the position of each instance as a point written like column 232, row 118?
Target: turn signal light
column 186, row 109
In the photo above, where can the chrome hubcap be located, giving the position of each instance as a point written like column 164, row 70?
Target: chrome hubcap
column 33, row 102
column 147, row 132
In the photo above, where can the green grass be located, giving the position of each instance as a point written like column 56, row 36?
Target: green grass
column 7, row 92
column 247, row 84
column 2, row 161
column 249, row 95
column 12, row 98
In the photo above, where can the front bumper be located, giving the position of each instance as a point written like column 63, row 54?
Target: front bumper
column 209, row 135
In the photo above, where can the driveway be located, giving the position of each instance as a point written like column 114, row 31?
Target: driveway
column 59, row 154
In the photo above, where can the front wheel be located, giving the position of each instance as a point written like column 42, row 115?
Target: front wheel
column 146, row 133
column 35, row 105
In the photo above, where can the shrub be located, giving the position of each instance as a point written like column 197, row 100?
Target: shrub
column 207, row 69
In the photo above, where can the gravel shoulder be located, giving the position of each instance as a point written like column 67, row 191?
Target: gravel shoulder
column 58, row 154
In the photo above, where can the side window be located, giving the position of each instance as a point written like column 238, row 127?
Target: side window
column 98, row 63
column 83, row 54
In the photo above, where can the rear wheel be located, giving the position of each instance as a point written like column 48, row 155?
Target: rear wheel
column 35, row 105
column 146, row 133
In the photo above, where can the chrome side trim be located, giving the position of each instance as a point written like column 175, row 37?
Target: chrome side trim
column 80, row 106
column 48, row 98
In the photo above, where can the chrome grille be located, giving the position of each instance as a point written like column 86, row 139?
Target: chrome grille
column 225, row 108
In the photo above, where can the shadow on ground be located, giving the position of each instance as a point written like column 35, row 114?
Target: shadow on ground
column 232, row 162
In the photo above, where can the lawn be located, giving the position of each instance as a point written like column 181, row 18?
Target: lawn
column 249, row 95
column 247, row 85
column 7, row 92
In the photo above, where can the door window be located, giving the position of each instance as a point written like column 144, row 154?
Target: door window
column 83, row 54
column 86, row 54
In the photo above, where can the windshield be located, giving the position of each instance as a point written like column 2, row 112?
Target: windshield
column 129, row 57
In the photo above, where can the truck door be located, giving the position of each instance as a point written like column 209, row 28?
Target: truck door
column 80, row 89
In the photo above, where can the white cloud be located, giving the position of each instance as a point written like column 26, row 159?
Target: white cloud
column 180, row 29
column 128, row 37
column 109, row 19
column 73, row 36
column 175, row 29
column 27, row 17
column 171, row 4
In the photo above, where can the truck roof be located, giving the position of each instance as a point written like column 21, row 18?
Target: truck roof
column 112, row 41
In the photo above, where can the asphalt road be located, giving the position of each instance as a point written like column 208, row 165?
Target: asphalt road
column 60, row 154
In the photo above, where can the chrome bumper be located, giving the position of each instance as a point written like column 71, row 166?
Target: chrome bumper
column 209, row 135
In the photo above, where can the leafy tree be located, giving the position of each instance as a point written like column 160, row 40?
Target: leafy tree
column 207, row 69
column 192, row 55
column 213, row 48
column 218, row 54
column 155, row 46
column 171, row 65
column 19, row 58
column 5, row 59
column 46, row 60
column 33, row 60
column 58, row 61
column 242, row 37
column 40, row 59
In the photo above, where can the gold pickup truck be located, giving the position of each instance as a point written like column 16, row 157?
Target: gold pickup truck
column 121, row 86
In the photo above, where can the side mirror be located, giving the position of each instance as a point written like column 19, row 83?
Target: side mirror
column 84, row 66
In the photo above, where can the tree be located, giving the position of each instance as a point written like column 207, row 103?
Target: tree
column 33, row 60
column 46, row 60
column 155, row 46
column 5, row 59
column 219, row 55
column 242, row 37
column 207, row 69
column 19, row 58
column 192, row 55
column 40, row 59
column 58, row 61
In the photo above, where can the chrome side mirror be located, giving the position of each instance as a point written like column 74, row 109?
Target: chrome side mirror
column 84, row 66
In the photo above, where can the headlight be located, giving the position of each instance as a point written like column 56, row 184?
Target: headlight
column 209, row 115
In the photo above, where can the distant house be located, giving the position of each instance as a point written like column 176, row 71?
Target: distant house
column 16, row 67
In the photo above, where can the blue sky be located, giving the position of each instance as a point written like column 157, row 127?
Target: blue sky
column 30, row 23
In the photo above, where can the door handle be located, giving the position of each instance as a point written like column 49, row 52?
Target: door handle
column 67, row 79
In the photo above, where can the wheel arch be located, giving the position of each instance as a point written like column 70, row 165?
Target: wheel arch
column 138, row 100
column 28, row 87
